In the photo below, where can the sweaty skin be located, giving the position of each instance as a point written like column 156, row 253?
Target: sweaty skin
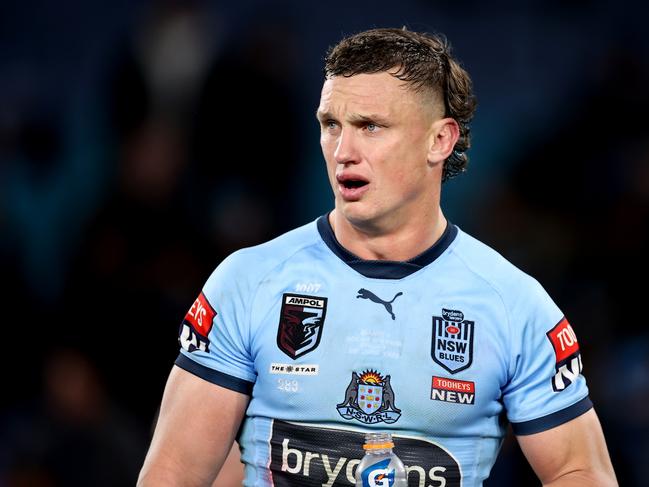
column 377, row 131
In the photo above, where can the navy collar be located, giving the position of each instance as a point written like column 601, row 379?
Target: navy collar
column 385, row 269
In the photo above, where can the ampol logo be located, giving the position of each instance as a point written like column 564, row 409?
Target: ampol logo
column 300, row 324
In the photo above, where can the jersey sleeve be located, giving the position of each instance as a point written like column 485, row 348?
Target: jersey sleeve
column 214, row 336
column 545, row 387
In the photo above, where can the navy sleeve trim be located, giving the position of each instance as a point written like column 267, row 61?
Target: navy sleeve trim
column 554, row 419
column 214, row 376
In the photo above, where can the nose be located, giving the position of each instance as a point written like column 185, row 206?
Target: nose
column 346, row 149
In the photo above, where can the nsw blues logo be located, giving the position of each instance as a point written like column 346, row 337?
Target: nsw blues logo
column 369, row 398
column 452, row 346
column 300, row 324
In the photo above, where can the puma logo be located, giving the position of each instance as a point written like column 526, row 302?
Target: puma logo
column 365, row 294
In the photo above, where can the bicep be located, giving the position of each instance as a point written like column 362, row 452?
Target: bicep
column 197, row 424
column 574, row 449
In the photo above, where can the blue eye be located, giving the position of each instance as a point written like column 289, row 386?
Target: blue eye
column 371, row 127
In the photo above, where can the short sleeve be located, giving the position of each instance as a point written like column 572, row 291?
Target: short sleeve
column 546, row 387
column 214, row 336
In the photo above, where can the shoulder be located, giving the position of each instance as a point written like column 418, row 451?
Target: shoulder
column 250, row 265
column 486, row 264
column 526, row 304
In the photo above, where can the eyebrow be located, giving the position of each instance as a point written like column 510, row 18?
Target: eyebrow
column 371, row 118
column 323, row 115
column 354, row 118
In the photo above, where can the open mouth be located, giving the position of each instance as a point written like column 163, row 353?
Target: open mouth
column 353, row 183
column 351, row 186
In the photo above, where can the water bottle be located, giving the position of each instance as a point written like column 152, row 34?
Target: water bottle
column 380, row 467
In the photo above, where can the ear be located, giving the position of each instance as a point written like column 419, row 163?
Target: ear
column 443, row 137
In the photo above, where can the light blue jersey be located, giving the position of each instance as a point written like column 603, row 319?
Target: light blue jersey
column 441, row 351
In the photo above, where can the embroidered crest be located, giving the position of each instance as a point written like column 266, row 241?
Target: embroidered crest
column 369, row 398
column 452, row 345
column 300, row 324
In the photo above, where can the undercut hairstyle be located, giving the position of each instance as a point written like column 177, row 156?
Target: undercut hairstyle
column 425, row 63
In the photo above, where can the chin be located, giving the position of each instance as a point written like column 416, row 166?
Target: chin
column 358, row 214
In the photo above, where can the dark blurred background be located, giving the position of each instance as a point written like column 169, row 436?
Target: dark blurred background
column 141, row 142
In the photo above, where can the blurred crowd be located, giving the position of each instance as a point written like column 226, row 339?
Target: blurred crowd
column 574, row 212
column 191, row 144
column 186, row 170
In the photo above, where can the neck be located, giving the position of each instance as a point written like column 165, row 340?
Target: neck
column 399, row 243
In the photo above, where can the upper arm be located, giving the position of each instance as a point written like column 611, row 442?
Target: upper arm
column 572, row 452
column 197, row 424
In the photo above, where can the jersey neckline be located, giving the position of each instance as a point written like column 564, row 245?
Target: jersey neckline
column 385, row 269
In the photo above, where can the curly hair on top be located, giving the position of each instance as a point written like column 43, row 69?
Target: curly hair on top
column 425, row 62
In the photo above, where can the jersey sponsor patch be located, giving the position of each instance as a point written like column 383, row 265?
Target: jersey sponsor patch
column 568, row 357
column 369, row 398
column 452, row 390
column 452, row 343
column 300, row 324
column 196, row 326
column 311, row 456
column 290, row 369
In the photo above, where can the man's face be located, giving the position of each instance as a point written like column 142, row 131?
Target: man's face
column 375, row 136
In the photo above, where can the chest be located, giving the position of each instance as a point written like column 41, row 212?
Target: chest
column 375, row 352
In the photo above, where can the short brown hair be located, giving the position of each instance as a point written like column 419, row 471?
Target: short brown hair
column 425, row 62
